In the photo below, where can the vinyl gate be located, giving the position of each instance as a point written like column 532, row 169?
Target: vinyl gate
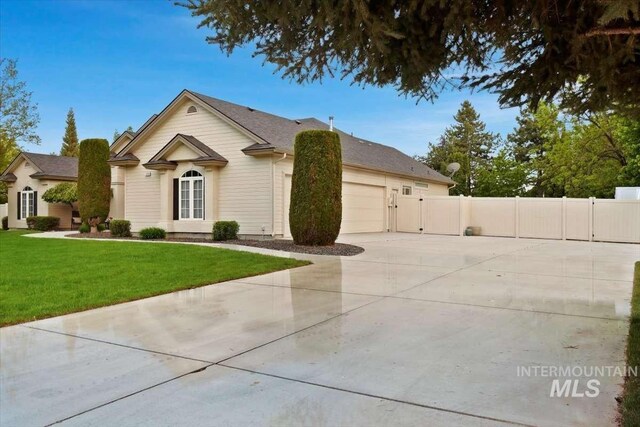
column 539, row 218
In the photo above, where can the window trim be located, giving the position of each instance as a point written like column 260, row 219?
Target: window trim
column 407, row 187
column 190, row 180
column 27, row 209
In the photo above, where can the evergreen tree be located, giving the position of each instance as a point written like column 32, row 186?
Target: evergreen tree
column 94, row 181
column 586, row 54
column 70, row 147
column 116, row 133
column 466, row 142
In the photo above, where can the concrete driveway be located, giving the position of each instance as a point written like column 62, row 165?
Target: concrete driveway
column 417, row 330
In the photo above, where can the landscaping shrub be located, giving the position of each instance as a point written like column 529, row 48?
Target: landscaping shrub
column 43, row 223
column 315, row 212
column 152, row 233
column 101, row 227
column 120, row 228
column 94, row 181
column 5, row 223
column 225, row 230
column 84, row 228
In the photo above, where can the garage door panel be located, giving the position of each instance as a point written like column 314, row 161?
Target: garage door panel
column 363, row 208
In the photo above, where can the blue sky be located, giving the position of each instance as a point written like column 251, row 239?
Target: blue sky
column 118, row 62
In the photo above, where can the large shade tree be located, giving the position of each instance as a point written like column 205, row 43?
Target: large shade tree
column 586, row 53
column 18, row 117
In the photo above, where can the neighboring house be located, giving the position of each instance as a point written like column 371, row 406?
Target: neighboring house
column 28, row 176
column 203, row 159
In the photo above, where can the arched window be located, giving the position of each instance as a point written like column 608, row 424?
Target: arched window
column 27, row 202
column 192, row 195
column 192, row 109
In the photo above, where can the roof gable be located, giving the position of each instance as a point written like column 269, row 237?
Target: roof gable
column 156, row 120
column 196, row 151
column 47, row 166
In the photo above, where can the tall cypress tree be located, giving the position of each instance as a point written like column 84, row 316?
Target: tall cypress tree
column 70, row 147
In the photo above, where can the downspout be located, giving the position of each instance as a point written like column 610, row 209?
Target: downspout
column 273, row 194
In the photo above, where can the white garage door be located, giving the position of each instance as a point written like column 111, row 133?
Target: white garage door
column 363, row 208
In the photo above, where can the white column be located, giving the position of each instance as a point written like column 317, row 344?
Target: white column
column 166, row 199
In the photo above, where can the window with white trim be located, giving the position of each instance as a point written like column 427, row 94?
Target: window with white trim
column 406, row 190
column 192, row 195
column 27, row 204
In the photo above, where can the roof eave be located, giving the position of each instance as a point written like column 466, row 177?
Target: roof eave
column 41, row 176
column 160, row 165
column 123, row 162
column 210, row 162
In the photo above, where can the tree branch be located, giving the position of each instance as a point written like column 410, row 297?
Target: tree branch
column 602, row 31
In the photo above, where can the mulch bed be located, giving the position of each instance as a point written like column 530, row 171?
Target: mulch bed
column 338, row 249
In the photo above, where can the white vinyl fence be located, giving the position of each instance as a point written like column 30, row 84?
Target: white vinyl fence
column 539, row 218
column 4, row 211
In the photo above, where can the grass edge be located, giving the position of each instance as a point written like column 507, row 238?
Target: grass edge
column 629, row 407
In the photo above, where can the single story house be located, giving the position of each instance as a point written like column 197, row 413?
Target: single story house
column 202, row 159
column 28, row 176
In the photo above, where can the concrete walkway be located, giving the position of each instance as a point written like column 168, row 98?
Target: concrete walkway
column 417, row 330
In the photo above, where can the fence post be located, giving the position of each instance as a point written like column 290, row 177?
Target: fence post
column 564, row 217
column 460, row 216
column 421, row 213
column 592, row 201
column 517, row 221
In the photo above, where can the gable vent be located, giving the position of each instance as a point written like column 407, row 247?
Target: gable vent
column 192, row 109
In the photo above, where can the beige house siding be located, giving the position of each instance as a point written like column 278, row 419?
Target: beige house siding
column 284, row 168
column 22, row 172
column 246, row 197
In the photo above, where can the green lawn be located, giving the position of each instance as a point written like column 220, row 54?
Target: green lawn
column 630, row 406
column 49, row 277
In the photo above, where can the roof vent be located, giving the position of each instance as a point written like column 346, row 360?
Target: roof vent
column 250, row 109
column 298, row 122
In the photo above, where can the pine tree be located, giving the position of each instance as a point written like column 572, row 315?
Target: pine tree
column 583, row 53
column 70, row 147
column 116, row 133
column 466, row 142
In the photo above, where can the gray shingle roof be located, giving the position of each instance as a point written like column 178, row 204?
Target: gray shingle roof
column 279, row 133
column 51, row 165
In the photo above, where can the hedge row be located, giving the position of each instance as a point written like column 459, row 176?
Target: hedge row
column 43, row 223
